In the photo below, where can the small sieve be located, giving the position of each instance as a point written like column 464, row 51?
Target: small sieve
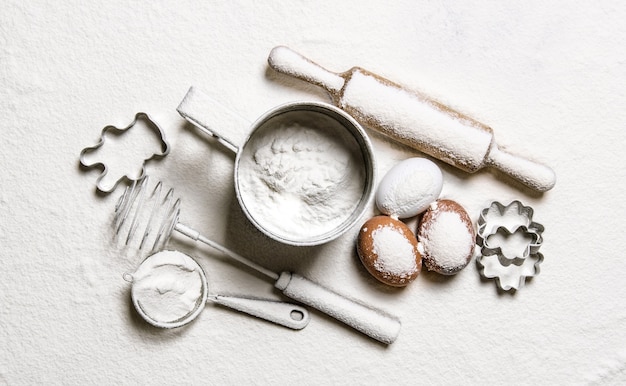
column 348, row 195
column 169, row 289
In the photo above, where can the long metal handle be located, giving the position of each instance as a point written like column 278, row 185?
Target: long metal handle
column 196, row 236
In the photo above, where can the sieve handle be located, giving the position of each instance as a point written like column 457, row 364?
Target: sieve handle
column 285, row 314
column 375, row 323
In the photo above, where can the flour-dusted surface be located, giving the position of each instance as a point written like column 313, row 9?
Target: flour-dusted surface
column 548, row 77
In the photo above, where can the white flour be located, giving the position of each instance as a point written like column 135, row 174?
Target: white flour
column 395, row 253
column 167, row 286
column 447, row 241
column 414, row 120
column 301, row 179
column 285, row 60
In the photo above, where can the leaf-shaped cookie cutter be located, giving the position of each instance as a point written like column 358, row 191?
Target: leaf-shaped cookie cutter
column 165, row 149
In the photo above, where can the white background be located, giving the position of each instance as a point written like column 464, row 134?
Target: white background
column 549, row 77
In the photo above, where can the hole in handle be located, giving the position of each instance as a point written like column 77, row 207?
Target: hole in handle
column 297, row 315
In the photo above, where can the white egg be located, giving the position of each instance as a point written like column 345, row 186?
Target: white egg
column 409, row 187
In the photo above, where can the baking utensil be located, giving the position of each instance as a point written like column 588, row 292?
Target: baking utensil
column 414, row 119
column 510, row 277
column 112, row 130
column 157, row 212
column 203, row 112
column 173, row 280
column 497, row 225
column 507, row 220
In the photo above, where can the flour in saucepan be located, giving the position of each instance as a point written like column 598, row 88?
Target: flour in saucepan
column 301, row 179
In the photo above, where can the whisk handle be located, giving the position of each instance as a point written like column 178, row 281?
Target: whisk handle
column 373, row 322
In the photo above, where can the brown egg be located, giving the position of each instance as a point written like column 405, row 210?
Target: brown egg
column 446, row 237
column 388, row 250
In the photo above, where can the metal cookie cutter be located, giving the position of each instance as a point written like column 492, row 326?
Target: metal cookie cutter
column 140, row 116
column 511, row 277
column 496, row 225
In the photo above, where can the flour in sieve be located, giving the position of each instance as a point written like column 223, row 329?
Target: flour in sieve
column 168, row 286
column 301, row 179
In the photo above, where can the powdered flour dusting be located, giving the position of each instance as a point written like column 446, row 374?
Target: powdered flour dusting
column 395, row 253
column 447, row 240
column 417, row 121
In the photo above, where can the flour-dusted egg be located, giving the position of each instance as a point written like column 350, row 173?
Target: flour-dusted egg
column 409, row 187
column 388, row 250
column 446, row 237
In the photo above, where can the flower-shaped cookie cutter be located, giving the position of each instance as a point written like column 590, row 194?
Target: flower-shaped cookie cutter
column 511, row 277
column 498, row 222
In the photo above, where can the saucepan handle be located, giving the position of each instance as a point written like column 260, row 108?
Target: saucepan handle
column 207, row 114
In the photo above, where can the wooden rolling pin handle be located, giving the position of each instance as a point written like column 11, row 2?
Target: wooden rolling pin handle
column 535, row 175
column 287, row 61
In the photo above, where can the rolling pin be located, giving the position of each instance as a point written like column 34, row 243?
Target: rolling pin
column 414, row 119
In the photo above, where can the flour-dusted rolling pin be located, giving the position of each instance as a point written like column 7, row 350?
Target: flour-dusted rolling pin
column 414, row 119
